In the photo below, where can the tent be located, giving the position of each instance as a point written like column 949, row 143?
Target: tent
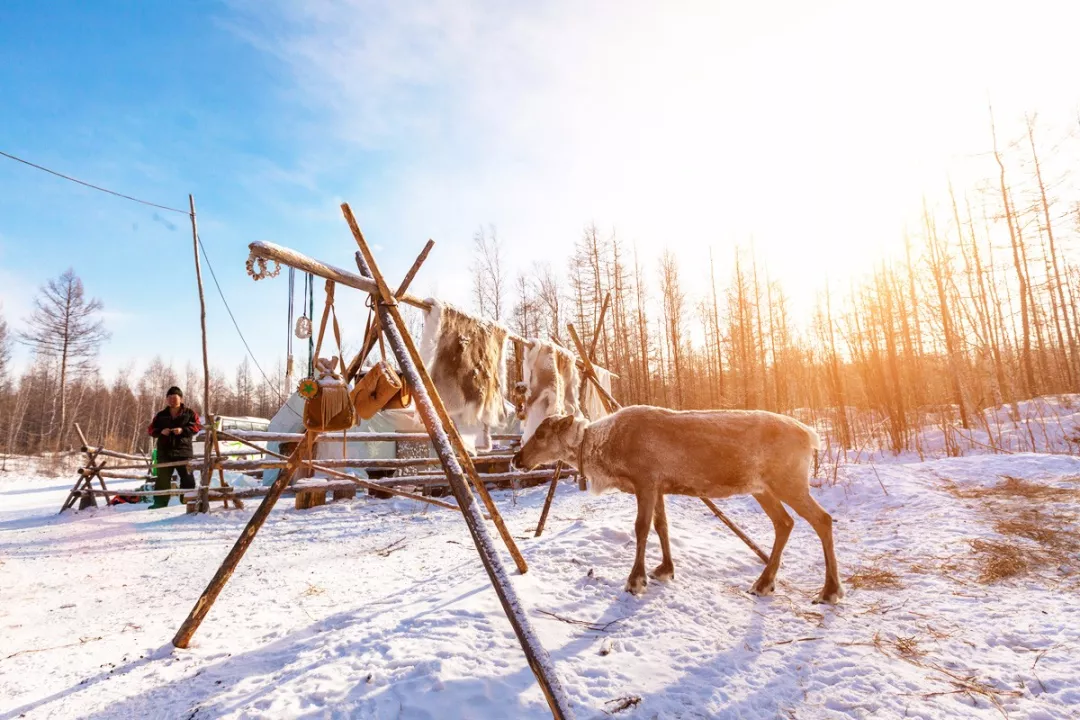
column 290, row 419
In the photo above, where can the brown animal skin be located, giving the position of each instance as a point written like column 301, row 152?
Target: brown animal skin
column 467, row 361
column 652, row 452
column 551, row 381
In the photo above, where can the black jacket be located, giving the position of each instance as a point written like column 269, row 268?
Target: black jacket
column 175, row 447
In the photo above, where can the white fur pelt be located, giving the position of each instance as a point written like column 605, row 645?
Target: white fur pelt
column 466, row 359
column 591, row 404
column 551, row 378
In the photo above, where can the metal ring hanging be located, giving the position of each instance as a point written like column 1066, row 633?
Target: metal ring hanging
column 263, row 271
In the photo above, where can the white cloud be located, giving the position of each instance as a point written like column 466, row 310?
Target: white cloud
column 814, row 127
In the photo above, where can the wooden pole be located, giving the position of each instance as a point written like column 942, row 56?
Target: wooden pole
column 370, row 337
column 97, row 473
column 345, row 476
column 85, row 480
column 287, row 256
column 734, row 528
column 599, row 327
column 548, row 499
column 463, row 457
column 380, row 464
column 597, row 331
column 207, row 473
column 204, row 498
column 145, row 459
column 221, row 472
column 436, row 421
column 209, row 595
column 590, row 372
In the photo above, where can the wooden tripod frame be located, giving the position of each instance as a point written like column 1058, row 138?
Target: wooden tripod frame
column 456, row 463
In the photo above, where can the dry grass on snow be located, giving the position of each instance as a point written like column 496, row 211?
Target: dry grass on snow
column 1037, row 530
column 873, row 578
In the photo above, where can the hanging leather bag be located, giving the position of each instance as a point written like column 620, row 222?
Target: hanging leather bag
column 331, row 408
column 381, row 387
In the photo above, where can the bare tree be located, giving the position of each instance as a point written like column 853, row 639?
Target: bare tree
column 526, row 308
column 548, row 295
column 5, row 353
column 643, row 331
column 674, row 302
column 65, row 327
column 15, row 417
column 489, row 277
column 245, row 394
column 1021, row 269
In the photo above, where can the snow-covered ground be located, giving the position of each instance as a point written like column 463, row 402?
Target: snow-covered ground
column 962, row 601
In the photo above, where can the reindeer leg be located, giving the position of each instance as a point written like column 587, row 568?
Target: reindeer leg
column 822, row 522
column 782, row 524
column 666, row 569
column 646, row 501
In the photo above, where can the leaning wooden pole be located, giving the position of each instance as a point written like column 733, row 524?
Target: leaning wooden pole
column 345, row 476
column 409, row 359
column 204, row 489
column 605, row 397
column 548, row 499
column 209, row 595
column 370, row 336
column 364, row 258
column 735, row 529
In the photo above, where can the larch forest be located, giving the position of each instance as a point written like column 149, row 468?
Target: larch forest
column 979, row 310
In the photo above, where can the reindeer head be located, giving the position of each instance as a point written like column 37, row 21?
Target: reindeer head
column 519, row 395
column 556, row 438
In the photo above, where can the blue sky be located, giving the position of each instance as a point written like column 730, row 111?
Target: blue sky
column 158, row 100
column 686, row 125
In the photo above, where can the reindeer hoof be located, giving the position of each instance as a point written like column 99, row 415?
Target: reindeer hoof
column 662, row 573
column 761, row 589
column 829, row 595
column 636, row 585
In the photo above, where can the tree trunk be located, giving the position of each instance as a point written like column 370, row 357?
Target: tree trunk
column 1073, row 354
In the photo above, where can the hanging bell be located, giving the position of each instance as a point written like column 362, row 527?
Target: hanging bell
column 303, row 327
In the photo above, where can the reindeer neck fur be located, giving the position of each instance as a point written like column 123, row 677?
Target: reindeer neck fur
column 575, row 445
column 586, row 443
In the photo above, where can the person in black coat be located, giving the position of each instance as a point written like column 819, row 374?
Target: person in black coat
column 174, row 427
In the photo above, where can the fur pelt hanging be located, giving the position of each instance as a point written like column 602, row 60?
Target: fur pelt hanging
column 466, row 358
column 591, row 404
column 550, row 376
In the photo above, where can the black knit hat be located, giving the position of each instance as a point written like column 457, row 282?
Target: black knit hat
column 174, row 391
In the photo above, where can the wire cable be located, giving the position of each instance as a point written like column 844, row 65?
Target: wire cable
column 202, row 248
column 237, row 326
column 94, row 187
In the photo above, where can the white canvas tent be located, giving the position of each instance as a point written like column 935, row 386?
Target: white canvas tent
column 289, row 419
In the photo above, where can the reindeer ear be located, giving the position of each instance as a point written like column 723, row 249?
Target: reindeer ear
column 564, row 423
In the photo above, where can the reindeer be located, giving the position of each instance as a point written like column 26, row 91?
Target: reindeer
column 651, row 452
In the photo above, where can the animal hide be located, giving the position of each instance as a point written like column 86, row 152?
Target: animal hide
column 551, row 379
column 466, row 358
column 591, row 404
